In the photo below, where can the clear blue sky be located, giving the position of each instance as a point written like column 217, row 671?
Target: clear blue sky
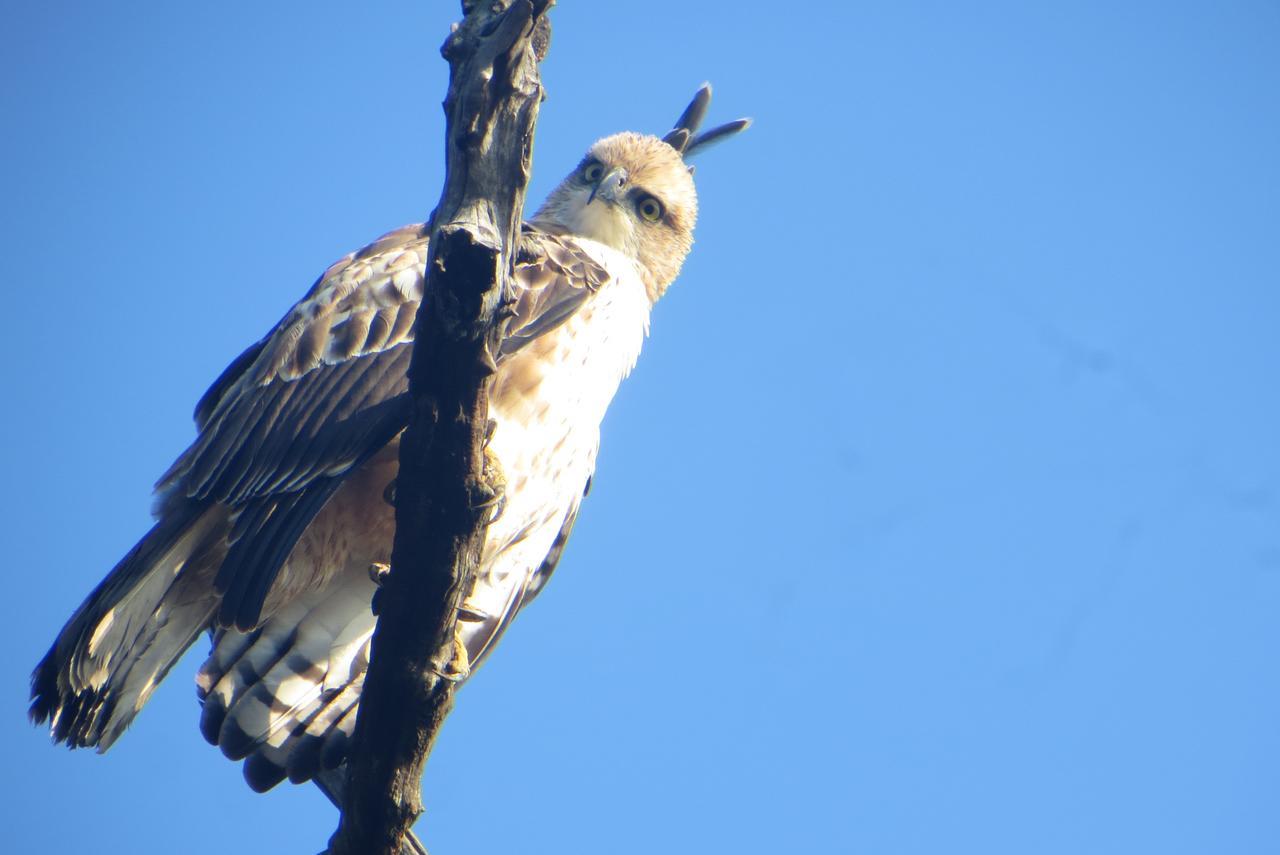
column 941, row 515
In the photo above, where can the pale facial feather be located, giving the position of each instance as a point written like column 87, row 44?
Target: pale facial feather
column 653, row 169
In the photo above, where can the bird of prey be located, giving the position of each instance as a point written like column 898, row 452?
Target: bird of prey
column 268, row 525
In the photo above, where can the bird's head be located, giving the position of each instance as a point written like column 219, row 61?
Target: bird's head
column 635, row 193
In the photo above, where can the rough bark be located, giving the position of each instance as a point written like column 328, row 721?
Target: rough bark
column 444, row 491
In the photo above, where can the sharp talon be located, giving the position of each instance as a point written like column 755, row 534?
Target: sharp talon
column 486, row 363
column 459, row 665
column 496, row 488
column 470, row 615
column 483, row 496
column 495, row 497
column 451, row 676
column 499, row 506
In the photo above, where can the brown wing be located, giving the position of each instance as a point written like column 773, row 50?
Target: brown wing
column 325, row 390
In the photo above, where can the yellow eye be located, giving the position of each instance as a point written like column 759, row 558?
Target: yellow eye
column 650, row 208
column 592, row 172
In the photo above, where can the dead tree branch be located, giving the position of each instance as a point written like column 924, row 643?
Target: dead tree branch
column 444, row 491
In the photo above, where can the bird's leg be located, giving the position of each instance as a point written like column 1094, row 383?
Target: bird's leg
column 491, row 492
column 458, row 668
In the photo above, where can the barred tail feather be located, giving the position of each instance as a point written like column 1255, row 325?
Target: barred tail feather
column 279, row 696
column 127, row 634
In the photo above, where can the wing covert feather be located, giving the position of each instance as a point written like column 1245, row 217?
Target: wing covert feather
column 326, row 389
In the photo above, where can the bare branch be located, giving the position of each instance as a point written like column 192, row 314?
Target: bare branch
column 444, row 487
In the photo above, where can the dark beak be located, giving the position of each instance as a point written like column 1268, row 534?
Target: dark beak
column 610, row 187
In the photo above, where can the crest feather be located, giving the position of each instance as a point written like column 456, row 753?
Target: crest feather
column 684, row 137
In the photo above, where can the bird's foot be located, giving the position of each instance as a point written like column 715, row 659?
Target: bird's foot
column 378, row 573
column 491, row 492
column 471, row 614
column 458, row 668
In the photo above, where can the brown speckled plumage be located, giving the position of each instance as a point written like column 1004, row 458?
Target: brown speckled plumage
column 267, row 526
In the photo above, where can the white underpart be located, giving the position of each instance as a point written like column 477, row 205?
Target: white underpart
column 607, row 223
column 547, row 441
column 546, row 438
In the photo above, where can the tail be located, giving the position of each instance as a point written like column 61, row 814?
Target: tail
column 129, row 632
column 284, row 697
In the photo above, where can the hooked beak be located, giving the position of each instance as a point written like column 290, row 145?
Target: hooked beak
column 610, row 187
